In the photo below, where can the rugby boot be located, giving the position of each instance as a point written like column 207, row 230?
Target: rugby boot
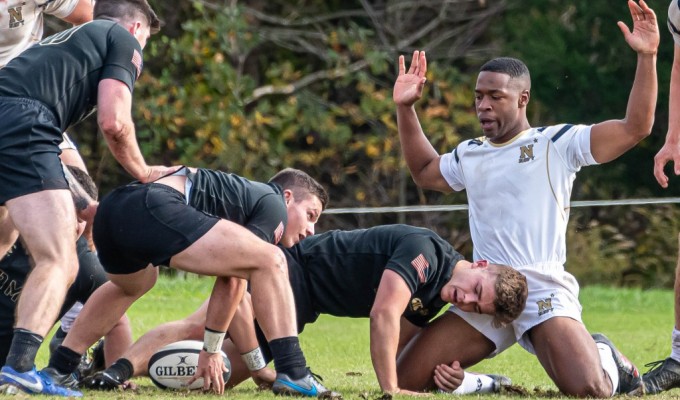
column 66, row 380
column 629, row 376
column 662, row 375
column 101, row 380
column 308, row 385
column 33, row 382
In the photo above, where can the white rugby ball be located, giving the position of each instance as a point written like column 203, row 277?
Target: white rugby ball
column 173, row 366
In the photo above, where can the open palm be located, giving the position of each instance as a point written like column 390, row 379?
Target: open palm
column 645, row 35
column 409, row 85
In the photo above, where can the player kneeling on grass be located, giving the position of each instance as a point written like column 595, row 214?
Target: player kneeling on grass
column 209, row 223
column 398, row 275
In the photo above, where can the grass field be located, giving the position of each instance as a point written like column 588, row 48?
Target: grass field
column 639, row 322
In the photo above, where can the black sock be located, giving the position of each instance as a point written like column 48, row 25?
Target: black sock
column 64, row 360
column 25, row 345
column 121, row 370
column 288, row 357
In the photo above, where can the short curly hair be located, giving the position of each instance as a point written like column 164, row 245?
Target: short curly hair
column 511, row 294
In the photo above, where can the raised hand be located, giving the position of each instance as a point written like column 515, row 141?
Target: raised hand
column 645, row 35
column 409, row 85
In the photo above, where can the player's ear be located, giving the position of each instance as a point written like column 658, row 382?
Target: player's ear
column 288, row 196
column 524, row 98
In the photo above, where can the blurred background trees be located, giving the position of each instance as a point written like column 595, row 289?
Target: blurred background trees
column 255, row 86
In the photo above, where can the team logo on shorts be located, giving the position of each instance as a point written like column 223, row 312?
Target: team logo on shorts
column 545, row 306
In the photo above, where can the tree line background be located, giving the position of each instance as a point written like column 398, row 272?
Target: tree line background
column 255, row 86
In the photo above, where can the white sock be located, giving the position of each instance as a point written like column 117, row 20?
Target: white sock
column 609, row 365
column 475, row 383
column 675, row 345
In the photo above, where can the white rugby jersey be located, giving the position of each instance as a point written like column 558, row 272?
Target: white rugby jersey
column 674, row 20
column 518, row 192
column 21, row 23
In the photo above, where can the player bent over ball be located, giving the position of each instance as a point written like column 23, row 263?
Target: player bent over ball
column 209, row 223
column 399, row 276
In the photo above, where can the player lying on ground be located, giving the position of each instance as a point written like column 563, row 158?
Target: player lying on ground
column 209, row 223
column 398, row 275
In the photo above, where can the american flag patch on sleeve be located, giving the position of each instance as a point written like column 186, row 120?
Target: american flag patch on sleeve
column 137, row 61
column 278, row 233
column 420, row 264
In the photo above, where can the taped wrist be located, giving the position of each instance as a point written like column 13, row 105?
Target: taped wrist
column 212, row 340
column 254, row 359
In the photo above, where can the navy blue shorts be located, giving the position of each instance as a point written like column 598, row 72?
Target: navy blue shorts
column 141, row 224
column 29, row 149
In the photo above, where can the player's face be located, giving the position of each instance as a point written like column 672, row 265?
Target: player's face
column 472, row 289
column 302, row 215
column 497, row 101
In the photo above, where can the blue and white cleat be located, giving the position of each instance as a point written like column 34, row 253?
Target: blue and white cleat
column 308, row 386
column 32, row 382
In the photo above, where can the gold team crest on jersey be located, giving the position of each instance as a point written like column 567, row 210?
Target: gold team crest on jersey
column 417, row 306
column 526, row 153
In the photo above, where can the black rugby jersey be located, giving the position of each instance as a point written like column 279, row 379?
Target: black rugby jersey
column 63, row 70
column 258, row 206
column 344, row 268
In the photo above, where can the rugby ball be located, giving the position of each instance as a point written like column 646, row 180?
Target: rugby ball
column 173, row 366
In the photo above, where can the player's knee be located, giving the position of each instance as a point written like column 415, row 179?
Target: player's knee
column 275, row 262
column 592, row 387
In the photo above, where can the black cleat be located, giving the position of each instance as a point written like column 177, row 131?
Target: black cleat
column 66, row 380
column 663, row 375
column 629, row 376
column 101, row 381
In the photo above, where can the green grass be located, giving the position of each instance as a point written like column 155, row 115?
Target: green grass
column 639, row 322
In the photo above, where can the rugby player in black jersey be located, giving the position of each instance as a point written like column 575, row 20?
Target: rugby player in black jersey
column 399, row 276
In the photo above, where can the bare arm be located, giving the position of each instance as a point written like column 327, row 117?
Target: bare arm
column 390, row 302
column 224, row 299
column 671, row 148
column 82, row 13
column 242, row 334
column 610, row 139
column 422, row 159
column 114, row 105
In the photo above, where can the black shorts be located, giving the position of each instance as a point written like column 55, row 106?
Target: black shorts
column 141, row 224
column 29, row 149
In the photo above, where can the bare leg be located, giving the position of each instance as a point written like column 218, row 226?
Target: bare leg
column 47, row 223
column 569, row 356
column 448, row 338
column 229, row 249
column 8, row 234
column 117, row 340
column 115, row 297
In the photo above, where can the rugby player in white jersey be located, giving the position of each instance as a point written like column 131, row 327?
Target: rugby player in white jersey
column 518, row 181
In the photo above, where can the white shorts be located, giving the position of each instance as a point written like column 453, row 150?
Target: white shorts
column 67, row 143
column 553, row 292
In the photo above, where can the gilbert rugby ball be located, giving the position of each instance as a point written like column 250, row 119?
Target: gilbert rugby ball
column 173, row 366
